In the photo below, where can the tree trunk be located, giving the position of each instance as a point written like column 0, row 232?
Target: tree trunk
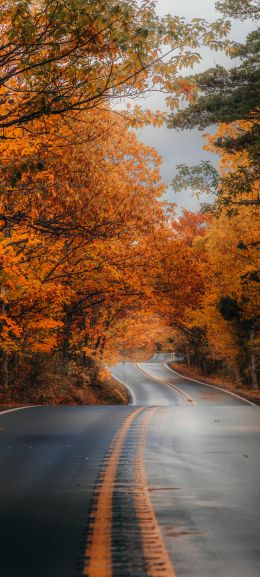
column 4, row 373
column 84, row 340
column 4, row 308
column 93, row 370
column 4, row 376
column 66, row 340
column 253, row 361
column 237, row 373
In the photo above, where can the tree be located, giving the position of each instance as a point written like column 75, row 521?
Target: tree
column 210, row 292
column 235, row 184
column 241, row 9
column 231, row 295
column 62, row 55
column 228, row 97
column 225, row 95
column 77, row 238
column 183, row 269
column 222, row 324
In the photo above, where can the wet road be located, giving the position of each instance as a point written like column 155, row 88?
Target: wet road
column 155, row 382
column 205, row 488
column 168, row 486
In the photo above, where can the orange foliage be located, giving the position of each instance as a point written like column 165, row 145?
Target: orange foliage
column 79, row 223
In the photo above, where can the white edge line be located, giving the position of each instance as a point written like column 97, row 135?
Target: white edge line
column 18, row 409
column 131, row 392
column 187, row 397
column 211, row 386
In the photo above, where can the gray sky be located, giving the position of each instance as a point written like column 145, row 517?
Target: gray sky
column 175, row 147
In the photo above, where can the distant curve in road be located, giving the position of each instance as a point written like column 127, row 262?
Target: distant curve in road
column 153, row 382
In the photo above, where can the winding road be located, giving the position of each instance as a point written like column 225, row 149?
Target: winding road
column 167, row 486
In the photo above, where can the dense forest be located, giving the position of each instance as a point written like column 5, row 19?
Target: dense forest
column 93, row 265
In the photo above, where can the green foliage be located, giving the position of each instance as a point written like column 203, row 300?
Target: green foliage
column 199, row 178
column 230, row 190
column 225, row 95
column 241, row 9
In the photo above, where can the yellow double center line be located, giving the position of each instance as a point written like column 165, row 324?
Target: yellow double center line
column 98, row 552
column 187, row 398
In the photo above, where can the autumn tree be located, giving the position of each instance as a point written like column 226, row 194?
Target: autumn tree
column 225, row 318
column 241, row 9
column 62, row 55
column 210, row 293
column 230, row 306
column 87, row 249
column 232, row 188
column 78, row 224
column 182, row 278
column 225, row 96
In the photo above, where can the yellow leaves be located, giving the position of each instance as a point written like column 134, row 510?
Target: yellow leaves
column 10, row 333
column 88, row 214
column 10, row 325
column 45, row 324
column 168, row 86
column 157, row 80
column 229, row 160
column 140, row 117
column 187, row 88
column 225, row 347
column 43, row 346
column 230, row 263
column 172, row 102
column 34, row 211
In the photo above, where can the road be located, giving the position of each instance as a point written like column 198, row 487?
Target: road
column 154, row 383
column 167, row 486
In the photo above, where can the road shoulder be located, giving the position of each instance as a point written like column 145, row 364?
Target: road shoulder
column 216, row 381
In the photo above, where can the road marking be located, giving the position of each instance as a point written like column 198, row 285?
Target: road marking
column 131, row 392
column 98, row 552
column 157, row 558
column 211, row 386
column 18, row 409
column 189, row 400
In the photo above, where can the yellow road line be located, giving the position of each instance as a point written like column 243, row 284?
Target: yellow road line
column 98, row 551
column 189, row 400
column 157, row 558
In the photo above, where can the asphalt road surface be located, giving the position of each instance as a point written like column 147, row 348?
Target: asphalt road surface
column 165, row 487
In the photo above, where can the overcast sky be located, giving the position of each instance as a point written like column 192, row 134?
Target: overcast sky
column 175, row 147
